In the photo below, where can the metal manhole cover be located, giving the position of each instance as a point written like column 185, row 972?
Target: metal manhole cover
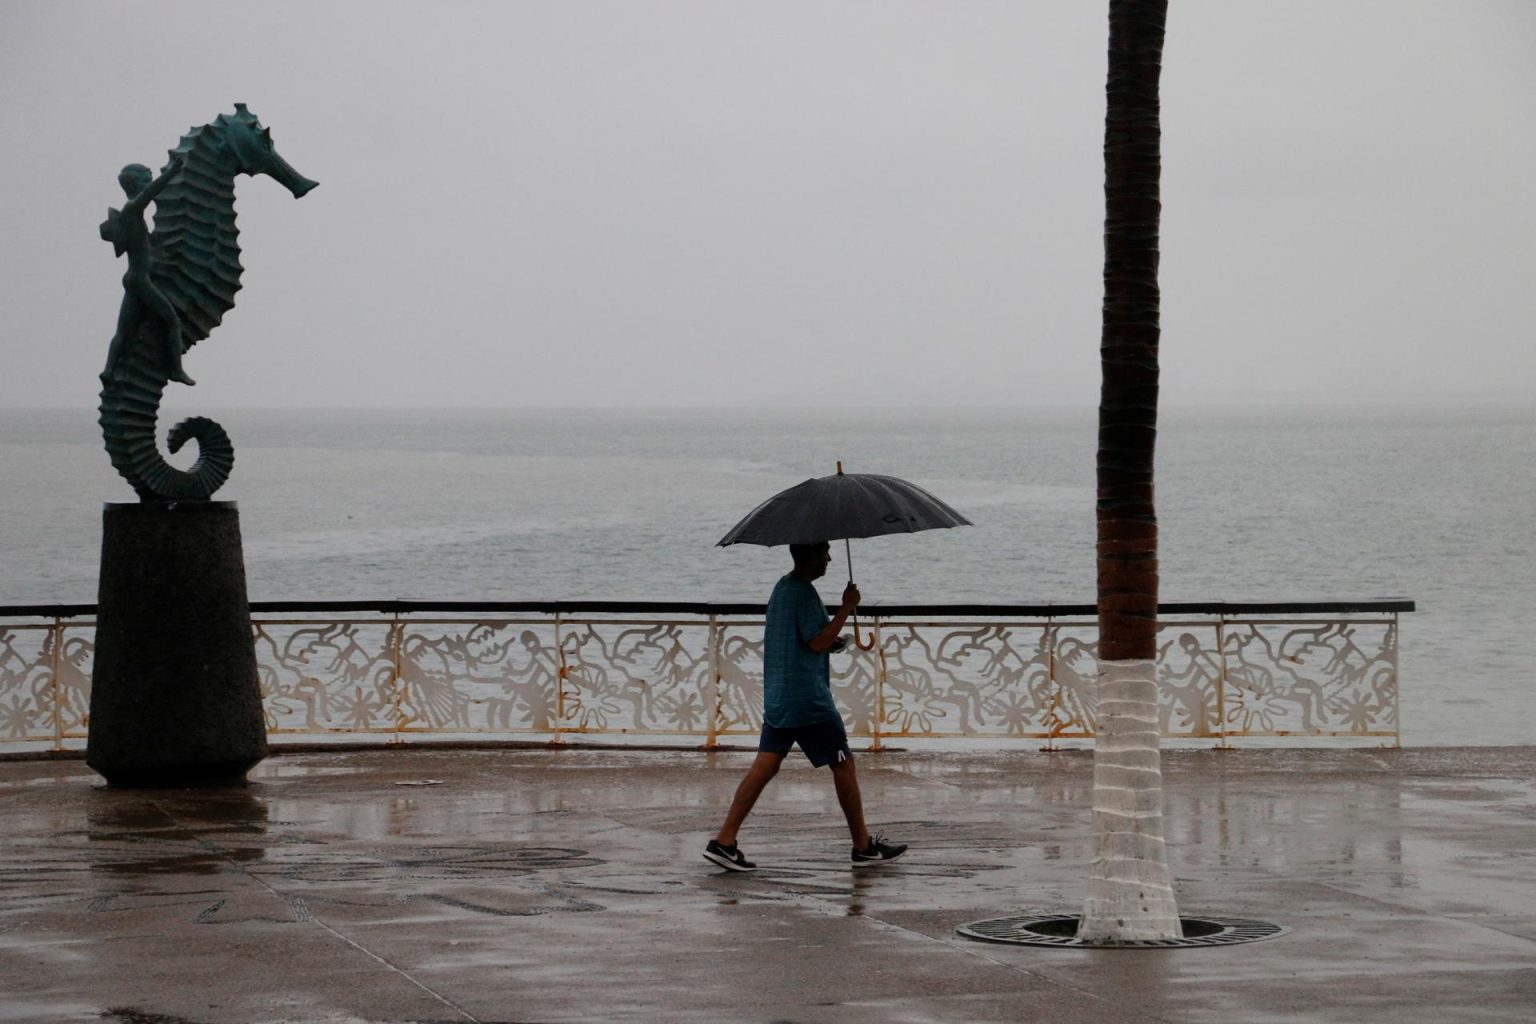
column 1061, row 930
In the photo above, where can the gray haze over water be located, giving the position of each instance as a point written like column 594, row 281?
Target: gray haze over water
column 1296, row 505
column 841, row 202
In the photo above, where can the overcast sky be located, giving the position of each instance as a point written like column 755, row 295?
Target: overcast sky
column 704, row 203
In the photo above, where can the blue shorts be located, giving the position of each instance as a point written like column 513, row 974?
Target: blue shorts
column 823, row 743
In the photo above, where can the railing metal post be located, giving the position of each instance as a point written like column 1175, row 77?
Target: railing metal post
column 560, row 676
column 712, row 686
column 1397, row 686
column 395, row 642
column 1221, row 683
column 56, row 661
column 1055, row 690
column 874, row 729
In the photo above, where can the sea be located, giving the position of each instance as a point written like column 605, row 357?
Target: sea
column 1297, row 503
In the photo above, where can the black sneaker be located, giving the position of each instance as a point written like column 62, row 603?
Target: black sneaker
column 728, row 857
column 878, row 850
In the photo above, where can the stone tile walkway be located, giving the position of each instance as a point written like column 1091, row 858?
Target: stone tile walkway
column 529, row 885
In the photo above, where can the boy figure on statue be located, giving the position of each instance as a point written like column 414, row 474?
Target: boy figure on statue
column 127, row 232
column 798, row 639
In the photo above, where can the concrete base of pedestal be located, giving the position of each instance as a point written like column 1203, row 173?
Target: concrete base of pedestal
column 175, row 699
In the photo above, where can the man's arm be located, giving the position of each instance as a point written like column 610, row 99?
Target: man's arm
column 824, row 641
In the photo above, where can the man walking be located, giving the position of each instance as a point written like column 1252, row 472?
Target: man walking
column 798, row 639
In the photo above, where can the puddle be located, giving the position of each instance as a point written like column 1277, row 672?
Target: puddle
column 268, row 770
column 53, row 780
column 18, row 1009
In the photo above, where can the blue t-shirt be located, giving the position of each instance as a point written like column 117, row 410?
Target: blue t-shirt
column 797, row 684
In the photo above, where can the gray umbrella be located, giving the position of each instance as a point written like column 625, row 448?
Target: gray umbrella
column 841, row 506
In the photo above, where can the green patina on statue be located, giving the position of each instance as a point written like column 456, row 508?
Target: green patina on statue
column 181, row 280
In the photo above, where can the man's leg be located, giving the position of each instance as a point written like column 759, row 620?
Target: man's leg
column 867, row 849
column 846, row 780
column 750, row 788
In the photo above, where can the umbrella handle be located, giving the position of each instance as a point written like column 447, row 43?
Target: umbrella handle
column 857, row 642
column 848, row 551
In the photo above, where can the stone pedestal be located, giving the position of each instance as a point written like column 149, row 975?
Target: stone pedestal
column 175, row 699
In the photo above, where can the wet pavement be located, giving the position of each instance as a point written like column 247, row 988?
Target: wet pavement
column 529, row 885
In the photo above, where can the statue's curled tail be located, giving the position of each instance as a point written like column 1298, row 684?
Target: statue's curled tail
column 129, row 409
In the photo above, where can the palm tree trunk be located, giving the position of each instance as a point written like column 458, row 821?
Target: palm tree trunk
column 1130, row 891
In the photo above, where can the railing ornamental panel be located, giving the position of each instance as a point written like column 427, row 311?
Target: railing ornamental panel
column 697, row 674
column 635, row 677
column 1311, row 679
column 45, row 682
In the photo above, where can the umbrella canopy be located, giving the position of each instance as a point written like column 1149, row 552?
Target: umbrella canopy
column 842, row 506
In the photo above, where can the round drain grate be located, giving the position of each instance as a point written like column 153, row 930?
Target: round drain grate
column 1061, row 930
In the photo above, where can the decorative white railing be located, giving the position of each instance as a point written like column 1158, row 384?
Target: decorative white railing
column 390, row 671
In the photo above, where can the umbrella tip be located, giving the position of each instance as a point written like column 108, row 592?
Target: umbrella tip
column 839, row 467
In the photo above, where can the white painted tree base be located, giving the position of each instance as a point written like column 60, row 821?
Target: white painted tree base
column 1130, row 889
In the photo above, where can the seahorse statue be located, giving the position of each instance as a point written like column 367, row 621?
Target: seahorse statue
column 181, row 280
